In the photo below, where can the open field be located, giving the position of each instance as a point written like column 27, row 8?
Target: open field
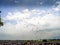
column 30, row 42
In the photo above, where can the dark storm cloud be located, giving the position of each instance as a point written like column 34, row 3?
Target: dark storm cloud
column 56, row 37
column 27, row 2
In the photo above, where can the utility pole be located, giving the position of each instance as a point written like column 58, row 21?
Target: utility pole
column 1, row 23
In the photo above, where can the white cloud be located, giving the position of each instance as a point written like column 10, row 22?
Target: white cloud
column 58, row 4
column 28, row 22
column 57, row 8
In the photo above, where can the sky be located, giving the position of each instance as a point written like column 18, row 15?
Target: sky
column 30, row 19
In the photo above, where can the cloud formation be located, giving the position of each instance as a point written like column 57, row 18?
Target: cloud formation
column 31, row 24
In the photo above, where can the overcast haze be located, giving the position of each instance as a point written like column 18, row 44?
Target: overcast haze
column 30, row 19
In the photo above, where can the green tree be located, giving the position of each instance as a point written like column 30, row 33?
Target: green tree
column 1, row 23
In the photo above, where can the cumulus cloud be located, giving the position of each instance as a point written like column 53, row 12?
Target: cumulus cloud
column 57, row 6
column 31, row 24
